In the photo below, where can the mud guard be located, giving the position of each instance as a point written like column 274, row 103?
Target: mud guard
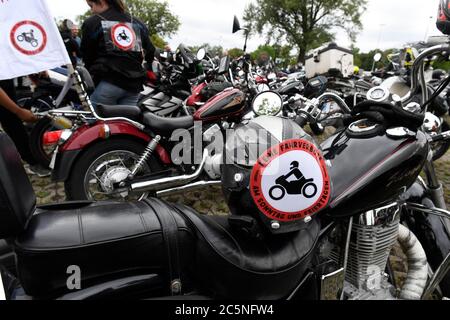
column 88, row 135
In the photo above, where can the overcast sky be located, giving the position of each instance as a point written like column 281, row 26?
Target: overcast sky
column 387, row 23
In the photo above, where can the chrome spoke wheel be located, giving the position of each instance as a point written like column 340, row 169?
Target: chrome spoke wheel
column 107, row 171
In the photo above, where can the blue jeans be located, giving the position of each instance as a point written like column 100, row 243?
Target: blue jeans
column 108, row 94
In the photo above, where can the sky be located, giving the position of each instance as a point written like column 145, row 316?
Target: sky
column 387, row 23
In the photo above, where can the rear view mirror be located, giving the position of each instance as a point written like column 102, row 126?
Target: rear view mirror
column 201, row 54
column 236, row 25
column 377, row 57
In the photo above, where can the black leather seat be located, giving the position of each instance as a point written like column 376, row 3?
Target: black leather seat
column 164, row 126
column 5, row 248
column 130, row 112
column 230, row 265
column 115, row 240
column 106, row 240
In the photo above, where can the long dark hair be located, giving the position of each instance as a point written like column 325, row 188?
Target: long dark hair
column 119, row 5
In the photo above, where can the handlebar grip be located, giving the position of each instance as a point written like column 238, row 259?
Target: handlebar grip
column 301, row 120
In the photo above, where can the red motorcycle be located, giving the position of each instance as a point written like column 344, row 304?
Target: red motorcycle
column 129, row 158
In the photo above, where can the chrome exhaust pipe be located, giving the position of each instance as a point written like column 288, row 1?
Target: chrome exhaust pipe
column 189, row 187
column 168, row 183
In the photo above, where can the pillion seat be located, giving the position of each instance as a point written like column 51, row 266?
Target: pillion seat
column 164, row 126
column 115, row 240
column 119, row 111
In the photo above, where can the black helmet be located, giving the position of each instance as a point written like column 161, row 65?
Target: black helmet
column 274, row 175
column 443, row 21
column 294, row 164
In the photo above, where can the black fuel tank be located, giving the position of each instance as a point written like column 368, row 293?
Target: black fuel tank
column 369, row 173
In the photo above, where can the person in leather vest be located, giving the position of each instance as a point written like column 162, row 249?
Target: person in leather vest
column 114, row 45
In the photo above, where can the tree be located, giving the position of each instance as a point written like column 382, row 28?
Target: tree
column 235, row 53
column 213, row 51
column 156, row 15
column 275, row 51
column 305, row 24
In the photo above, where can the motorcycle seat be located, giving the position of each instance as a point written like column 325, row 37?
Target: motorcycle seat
column 230, row 264
column 107, row 241
column 162, row 125
column 130, row 112
column 4, row 248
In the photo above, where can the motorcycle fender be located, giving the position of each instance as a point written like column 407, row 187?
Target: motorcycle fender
column 63, row 165
column 88, row 135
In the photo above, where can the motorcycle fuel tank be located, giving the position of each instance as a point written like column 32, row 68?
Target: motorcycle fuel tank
column 369, row 173
column 228, row 103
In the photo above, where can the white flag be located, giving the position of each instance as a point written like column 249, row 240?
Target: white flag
column 29, row 39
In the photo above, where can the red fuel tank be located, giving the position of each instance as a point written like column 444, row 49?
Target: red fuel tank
column 230, row 102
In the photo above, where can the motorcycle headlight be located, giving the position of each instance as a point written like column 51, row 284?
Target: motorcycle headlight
column 267, row 103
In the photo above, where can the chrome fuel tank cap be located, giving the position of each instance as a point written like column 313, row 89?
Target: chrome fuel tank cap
column 399, row 132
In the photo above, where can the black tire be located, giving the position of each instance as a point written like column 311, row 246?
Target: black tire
column 74, row 186
column 36, row 138
column 283, row 193
column 443, row 147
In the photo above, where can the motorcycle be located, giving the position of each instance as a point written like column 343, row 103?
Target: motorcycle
column 118, row 157
column 203, row 257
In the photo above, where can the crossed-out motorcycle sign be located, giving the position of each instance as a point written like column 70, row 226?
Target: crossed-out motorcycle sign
column 28, row 37
column 123, row 36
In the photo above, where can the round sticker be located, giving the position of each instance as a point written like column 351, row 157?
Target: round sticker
column 123, row 36
column 290, row 181
column 28, row 37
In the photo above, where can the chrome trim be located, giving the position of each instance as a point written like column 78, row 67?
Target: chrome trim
column 107, row 131
column 347, row 251
column 2, row 289
column 331, row 285
column 188, row 187
column 86, row 101
column 172, row 182
column 437, row 278
column 65, row 135
column 418, row 64
column 354, row 127
column 434, row 211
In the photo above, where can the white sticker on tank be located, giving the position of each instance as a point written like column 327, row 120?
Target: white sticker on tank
column 290, row 181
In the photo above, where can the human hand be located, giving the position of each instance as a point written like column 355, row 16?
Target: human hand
column 27, row 116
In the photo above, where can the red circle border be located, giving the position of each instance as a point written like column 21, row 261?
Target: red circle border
column 113, row 30
column 28, row 52
column 271, row 154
